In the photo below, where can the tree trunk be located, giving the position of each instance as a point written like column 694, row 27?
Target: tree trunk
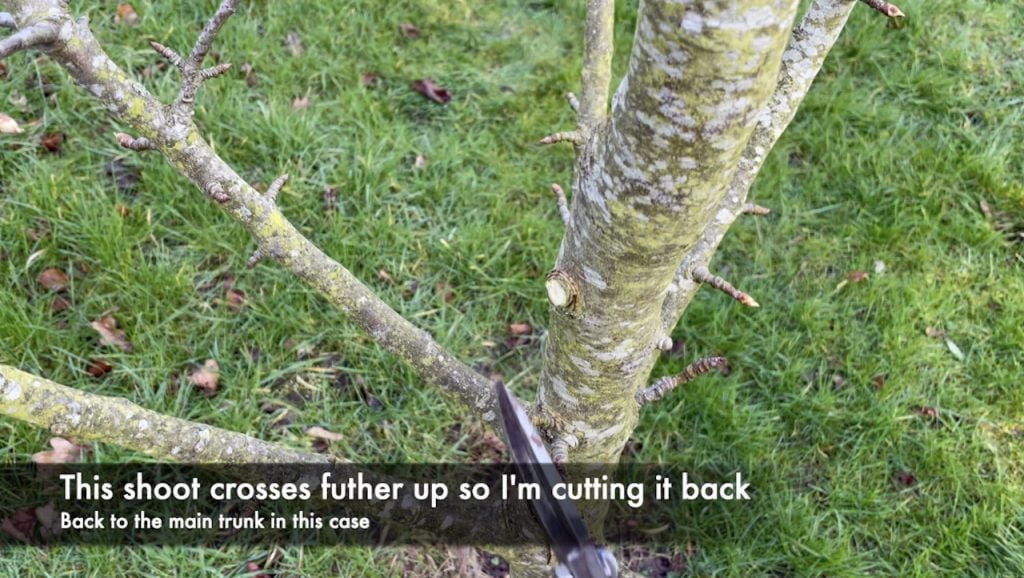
column 648, row 181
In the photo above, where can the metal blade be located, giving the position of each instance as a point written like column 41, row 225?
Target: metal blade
column 560, row 518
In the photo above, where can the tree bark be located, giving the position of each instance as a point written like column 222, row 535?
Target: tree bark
column 647, row 183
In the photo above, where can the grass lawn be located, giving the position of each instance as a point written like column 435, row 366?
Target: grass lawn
column 879, row 419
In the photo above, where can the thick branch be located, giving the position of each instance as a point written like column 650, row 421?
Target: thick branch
column 178, row 139
column 666, row 384
column 597, row 63
column 73, row 413
column 36, row 35
column 807, row 49
column 69, row 412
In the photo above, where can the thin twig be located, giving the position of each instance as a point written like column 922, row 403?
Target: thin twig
column 574, row 103
column 890, row 10
column 560, row 451
column 255, row 258
column 209, row 33
column 752, row 209
column 173, row 57
column 134, row 143
column 667, row 384
column 275, row 187
column 563, row 204
column 193, row 75
column 572, row 136
column 701, row 274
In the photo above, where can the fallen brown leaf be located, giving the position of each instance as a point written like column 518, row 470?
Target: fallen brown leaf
column 250, row 75
column 207, row 377
column 60, row 303
column 49, row 524
column 934, row 333
column 300, row 103
column 21, row 525
column 857, row 276
column 905, row 479
column 519, row 329
column 110, row 335
column 122, row 210
column 8, row 125
column 40, row 230
column 52, row 142
column 409, row 30
column 126, row 15
column 99, row 367
column 235, row 299
column 322, row 438
column 52, row 279
column 431, row 90
column 3, row 70
column 254, row 569
column 63, row 452
column 383, row 275
column 878, row 381
column 371, row 79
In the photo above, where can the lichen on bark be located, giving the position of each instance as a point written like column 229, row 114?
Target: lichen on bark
column 646, row 183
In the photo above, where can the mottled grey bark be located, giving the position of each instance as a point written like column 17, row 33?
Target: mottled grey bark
column 69, row 412
column 647, row 182
column 810, row 43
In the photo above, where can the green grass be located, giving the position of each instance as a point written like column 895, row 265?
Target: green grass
column 904, row 134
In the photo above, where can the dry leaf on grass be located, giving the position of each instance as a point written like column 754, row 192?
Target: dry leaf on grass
column 126, row 15
column 235, row 299
column 63, row 452
column 430, row 89
column 9, row 126
column 52, row 279
column 519, row 329
column 409, row 30
column 110, row 335
column 52, row 142
column 99, row 367
column 207, row 377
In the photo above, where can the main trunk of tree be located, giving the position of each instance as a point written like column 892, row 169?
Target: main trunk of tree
column 648, row 180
